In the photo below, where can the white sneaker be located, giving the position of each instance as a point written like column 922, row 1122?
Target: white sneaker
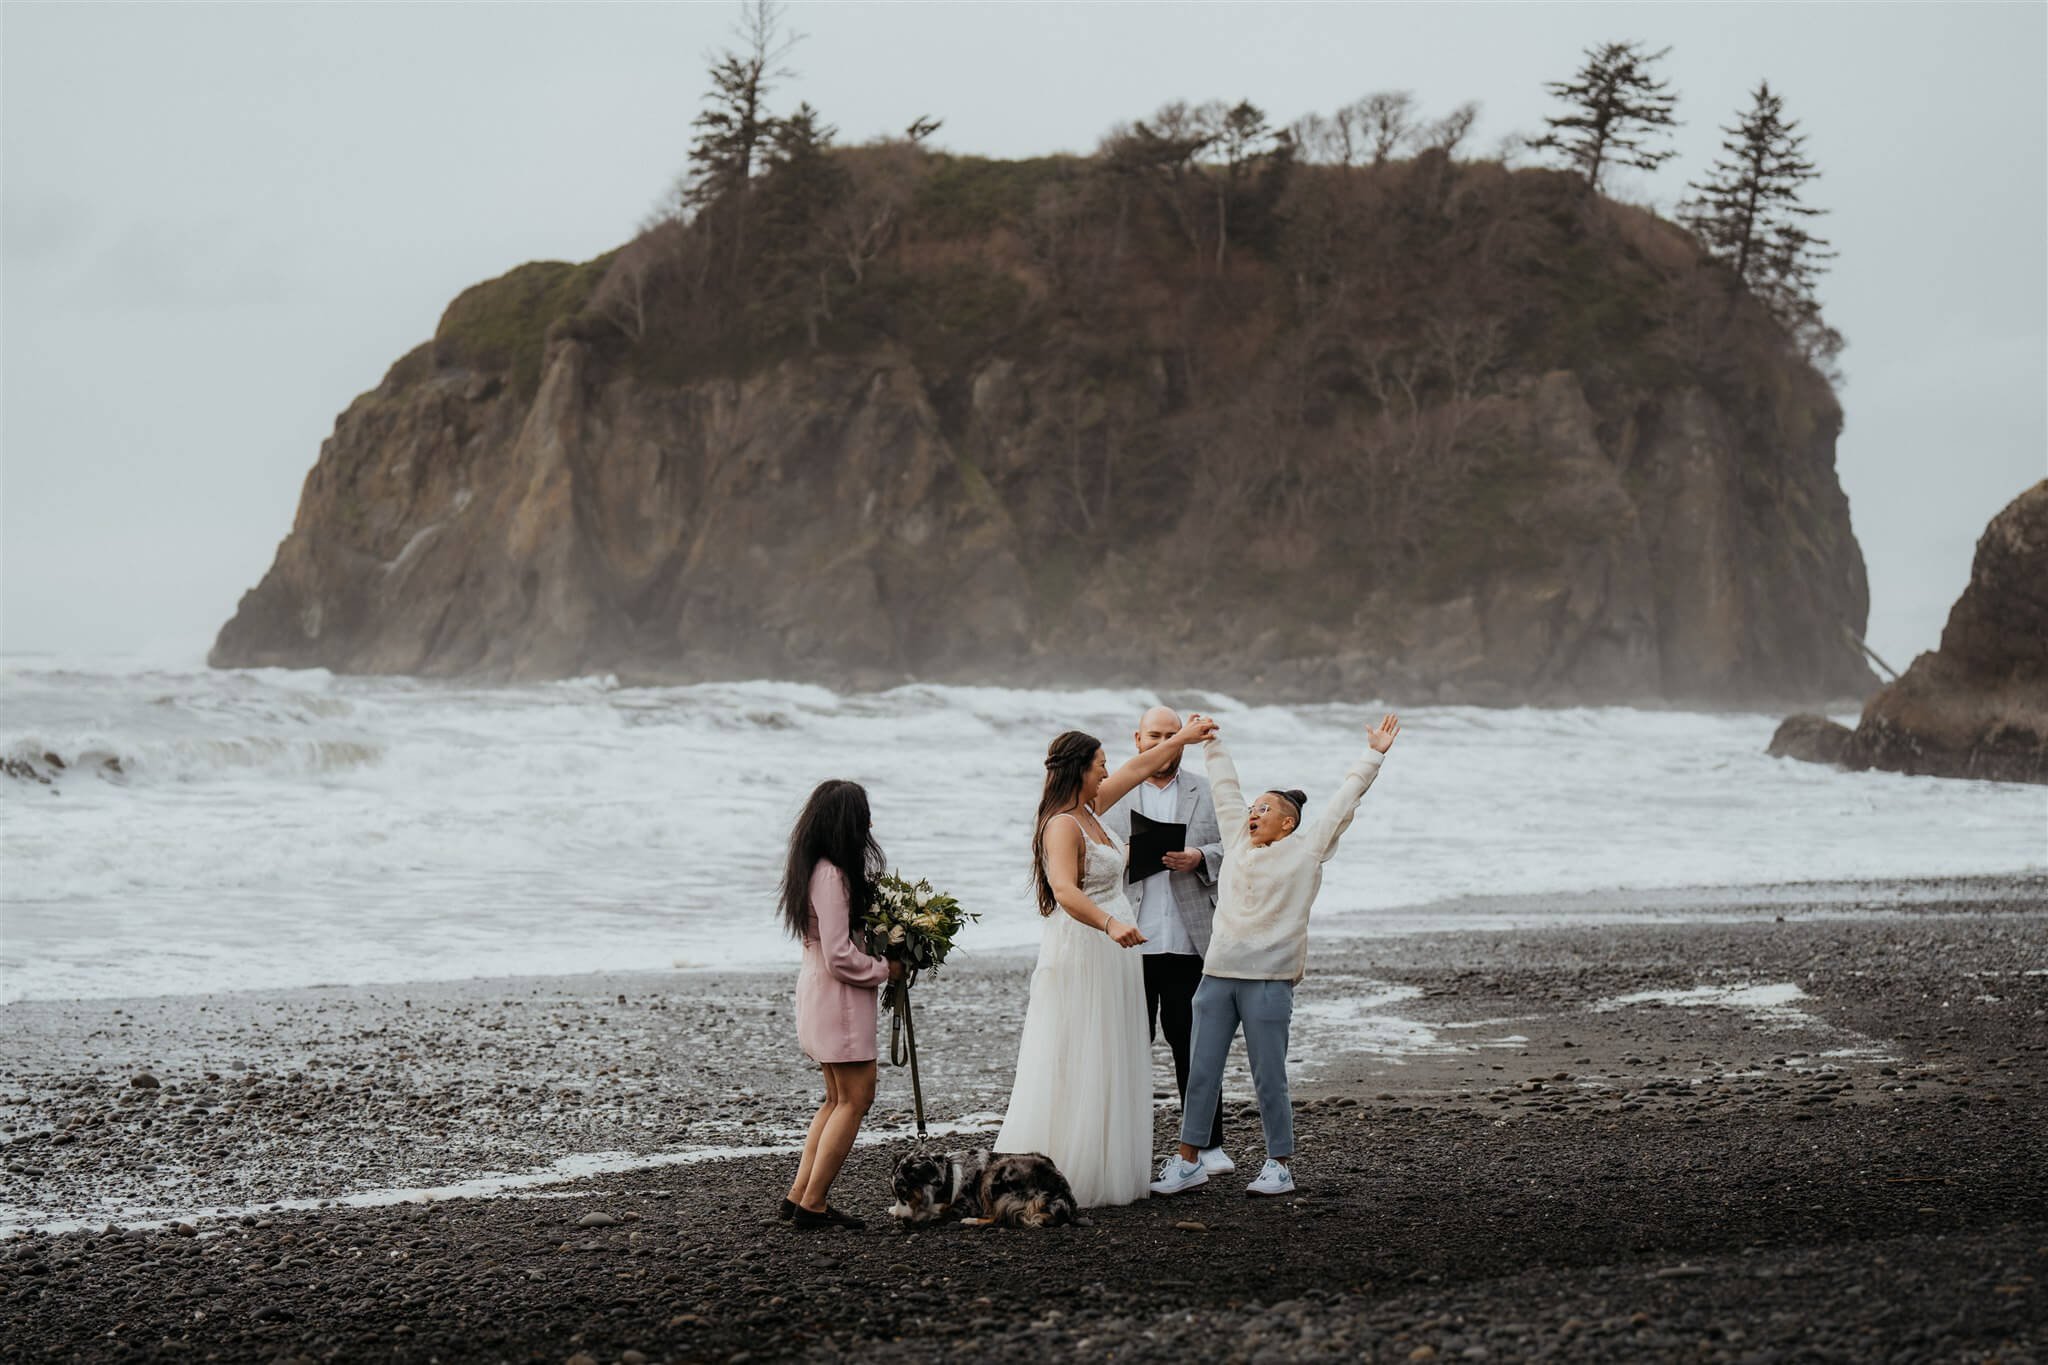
column 1216, row 1161
column 1177, row 1175
column 1276, row 1178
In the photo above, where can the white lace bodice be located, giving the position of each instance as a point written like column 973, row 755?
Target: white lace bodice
column 1102, row 878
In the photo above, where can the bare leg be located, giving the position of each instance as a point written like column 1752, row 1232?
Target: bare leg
column 856, row 1092
column 810, row 1157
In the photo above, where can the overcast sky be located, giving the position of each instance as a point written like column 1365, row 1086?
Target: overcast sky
column 223, row 222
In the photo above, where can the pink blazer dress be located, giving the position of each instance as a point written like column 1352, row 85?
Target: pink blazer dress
column 835, row 989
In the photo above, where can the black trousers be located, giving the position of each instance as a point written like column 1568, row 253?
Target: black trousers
column 1170, row 981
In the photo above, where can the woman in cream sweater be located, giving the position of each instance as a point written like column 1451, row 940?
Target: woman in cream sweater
column 1258, row 949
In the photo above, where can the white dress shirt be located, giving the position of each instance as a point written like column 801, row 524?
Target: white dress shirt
column 1158, row 917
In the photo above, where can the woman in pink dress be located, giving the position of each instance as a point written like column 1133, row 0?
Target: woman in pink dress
column 827, row 886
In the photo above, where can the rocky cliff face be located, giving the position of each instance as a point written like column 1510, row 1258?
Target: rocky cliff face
column 1023, row 501
column 1978, row 706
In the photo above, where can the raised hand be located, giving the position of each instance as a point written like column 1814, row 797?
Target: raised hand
column 1382, row 737
column 1138, row 767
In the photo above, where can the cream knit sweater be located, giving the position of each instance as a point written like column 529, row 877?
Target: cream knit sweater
column 1264, row 894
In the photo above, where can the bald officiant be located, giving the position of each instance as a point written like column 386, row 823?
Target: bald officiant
column 1175, row 904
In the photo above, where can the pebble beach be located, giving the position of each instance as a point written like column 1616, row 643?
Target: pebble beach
column 1764, row 1127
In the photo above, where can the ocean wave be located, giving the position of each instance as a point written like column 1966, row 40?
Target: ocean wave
column 29, row 761
column 182, row 760
column 291, row 827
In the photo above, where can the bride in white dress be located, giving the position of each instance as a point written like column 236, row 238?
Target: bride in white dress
column 1083, row 1092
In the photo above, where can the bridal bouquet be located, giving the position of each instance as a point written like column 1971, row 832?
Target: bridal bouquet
column 911, row 923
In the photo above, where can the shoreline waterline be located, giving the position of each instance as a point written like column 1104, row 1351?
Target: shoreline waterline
column 535, row 1184
column 1335, row 930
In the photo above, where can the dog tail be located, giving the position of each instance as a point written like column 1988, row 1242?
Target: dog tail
column 1015, row 1210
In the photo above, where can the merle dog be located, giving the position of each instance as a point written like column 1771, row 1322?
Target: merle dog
column 1018, row 1190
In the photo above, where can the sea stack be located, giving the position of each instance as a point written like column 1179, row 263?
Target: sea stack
column 1977, row 706
column 1483, row 436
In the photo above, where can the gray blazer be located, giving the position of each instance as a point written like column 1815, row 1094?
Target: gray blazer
column 1194, row 893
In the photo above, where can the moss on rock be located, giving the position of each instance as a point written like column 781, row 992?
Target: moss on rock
column 502, row 324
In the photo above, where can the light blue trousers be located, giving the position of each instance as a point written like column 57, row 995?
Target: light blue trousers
column 1264, row 1008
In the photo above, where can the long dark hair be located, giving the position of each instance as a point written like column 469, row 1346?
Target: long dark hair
column 1066, row 770
column 835, row 828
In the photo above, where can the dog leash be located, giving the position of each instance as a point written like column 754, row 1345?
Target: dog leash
column 903, row 1042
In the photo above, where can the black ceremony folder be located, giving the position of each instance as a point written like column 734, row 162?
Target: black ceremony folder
column 1152, row 840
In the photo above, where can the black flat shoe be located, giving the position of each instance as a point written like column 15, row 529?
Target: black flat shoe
column 831, row 1218
column 787, row 1211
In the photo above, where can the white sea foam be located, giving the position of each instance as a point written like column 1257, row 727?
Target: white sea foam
column 1341, row 1014
column 1774, row 1003
column 273, row 828
column 534, row 1184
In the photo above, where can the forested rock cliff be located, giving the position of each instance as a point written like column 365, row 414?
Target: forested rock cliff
column 1428, row 430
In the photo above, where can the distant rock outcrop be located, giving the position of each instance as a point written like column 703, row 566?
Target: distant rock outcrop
column 1978, row 706
column 1811, row 739
column 1470, row 434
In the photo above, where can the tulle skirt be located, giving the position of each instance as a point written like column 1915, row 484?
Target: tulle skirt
column 1083, row 1092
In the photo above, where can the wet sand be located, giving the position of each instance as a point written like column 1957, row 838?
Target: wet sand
column 1756, row 1127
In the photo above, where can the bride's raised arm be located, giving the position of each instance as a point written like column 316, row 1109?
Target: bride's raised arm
column 1141, row 766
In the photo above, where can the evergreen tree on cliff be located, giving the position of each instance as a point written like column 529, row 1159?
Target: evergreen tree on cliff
column 735, row 129
column 1213, row 205
column 802, row 185
column 1748, row 215
column 1615, row 106
column 1255, row 161
column 1163, row 154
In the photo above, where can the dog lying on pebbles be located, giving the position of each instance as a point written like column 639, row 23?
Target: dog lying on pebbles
column 982, row 1189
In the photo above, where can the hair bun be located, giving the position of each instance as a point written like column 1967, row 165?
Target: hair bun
column 1297, row 796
